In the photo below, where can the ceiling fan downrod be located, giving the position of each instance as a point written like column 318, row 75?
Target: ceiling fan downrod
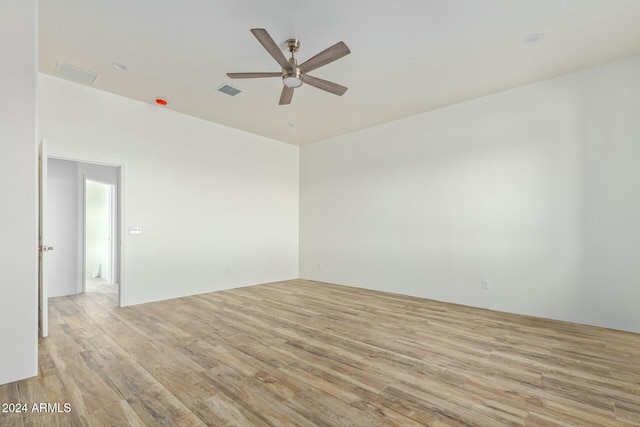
column 293, row 77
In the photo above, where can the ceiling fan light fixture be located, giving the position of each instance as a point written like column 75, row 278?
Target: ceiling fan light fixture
column 292, row 81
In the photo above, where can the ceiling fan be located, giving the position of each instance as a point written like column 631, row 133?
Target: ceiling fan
column 294, row 75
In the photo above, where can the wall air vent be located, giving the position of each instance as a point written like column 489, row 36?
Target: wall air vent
column 229, row 90
column 75, row 74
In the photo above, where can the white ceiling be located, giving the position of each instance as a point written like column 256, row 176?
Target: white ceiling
column 407, row 56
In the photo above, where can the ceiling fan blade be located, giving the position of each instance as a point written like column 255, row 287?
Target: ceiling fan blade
column 325, row 57
column 267, row 42
column 324, row 85
column 286, row 95
column 252, row 75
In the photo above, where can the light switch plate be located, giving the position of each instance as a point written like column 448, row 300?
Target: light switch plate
column 136, row 229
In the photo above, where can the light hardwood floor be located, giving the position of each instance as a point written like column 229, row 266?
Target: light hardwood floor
column 301, row 353
column 100, row 285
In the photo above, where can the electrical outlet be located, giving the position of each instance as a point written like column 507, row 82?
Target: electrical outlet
column 320, row 266
column 485, row 284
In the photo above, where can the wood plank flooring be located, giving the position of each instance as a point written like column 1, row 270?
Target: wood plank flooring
column 302, row 353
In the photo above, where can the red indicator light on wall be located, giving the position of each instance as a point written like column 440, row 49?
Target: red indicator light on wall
column 161, row 101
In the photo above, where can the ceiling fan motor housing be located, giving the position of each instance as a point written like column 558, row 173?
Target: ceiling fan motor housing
column 292, row 77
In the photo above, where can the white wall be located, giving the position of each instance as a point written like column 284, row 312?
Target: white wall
column 534, row 189
column 218, row 207
column 108, row 174
column 62, row 228
column 611, row 204
column 18, row 255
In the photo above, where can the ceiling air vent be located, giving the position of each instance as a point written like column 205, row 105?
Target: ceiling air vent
column 75, row 74
column 229, row 90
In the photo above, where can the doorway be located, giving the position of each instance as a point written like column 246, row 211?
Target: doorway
column 100, row 261
column 72, row 261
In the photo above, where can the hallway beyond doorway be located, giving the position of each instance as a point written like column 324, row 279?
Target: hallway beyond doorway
column 100, row 286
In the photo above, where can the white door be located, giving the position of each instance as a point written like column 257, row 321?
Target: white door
column 43, row 307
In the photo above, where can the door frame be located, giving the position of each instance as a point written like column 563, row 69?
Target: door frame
column 119, row 220
column 113, row 227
